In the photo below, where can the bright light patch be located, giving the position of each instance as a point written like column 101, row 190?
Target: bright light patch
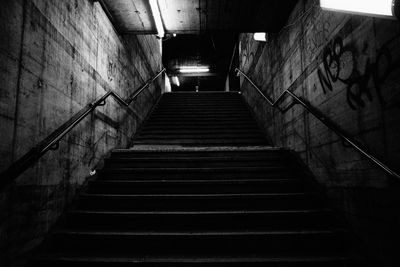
column 372, row 7
column 167, row 84
column 260, row 36
column 193, row 69
column 175, row 80
column 157, row 18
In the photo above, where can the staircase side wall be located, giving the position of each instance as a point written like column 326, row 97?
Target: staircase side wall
column 348, row 67
column 56, row 57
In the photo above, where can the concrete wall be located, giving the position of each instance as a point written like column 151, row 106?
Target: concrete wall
column 56, row 57
column 348, row 67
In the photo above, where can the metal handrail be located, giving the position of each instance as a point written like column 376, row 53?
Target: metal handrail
column 327, row 122
column 52, row 141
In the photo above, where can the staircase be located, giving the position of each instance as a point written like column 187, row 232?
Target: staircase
column 200, row 188
column 201, row 119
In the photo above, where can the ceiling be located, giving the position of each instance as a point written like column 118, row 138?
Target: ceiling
column 199, row 16
column 207, row 31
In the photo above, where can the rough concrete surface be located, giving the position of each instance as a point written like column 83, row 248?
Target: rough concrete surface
column 348, row 67
column 161, row 148
column 56, row 57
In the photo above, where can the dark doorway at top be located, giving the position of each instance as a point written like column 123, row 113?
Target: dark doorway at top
column 213, row 51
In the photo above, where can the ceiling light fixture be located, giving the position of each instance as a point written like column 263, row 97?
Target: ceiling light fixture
column 260, row 36
column 155, row 10
column 193, row 69
column 379, row 8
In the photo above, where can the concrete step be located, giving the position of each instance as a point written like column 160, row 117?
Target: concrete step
column 200, row 106
column 206, row 241
column 194, row 162
column 193, row 110
column 208, row 136
column 172, row 111
column 201, row 128
column 205, row 112
column 207, row 170
column 198, row 120
column 191, row 103
column 198, row 131
column 200, row 173
column 297, row 219
column 207, row 95
column 242, row 259
column 256, row 153
column 199, row 202
column 196, row 186
column 206, row 123
column 187, row 116
column 202, row 95
column 215, row 127
column 197, row 115
column 188, row 133
column 203, row 105
column 207, row 142
column 203, row 101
